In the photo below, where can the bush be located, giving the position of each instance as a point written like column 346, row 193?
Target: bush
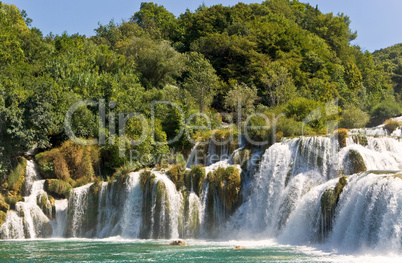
column 385, row 110
column 52, row 165
column 300, row 108
column 81, row 160
column 353, row 117
column 58, row 188
column 390, row 126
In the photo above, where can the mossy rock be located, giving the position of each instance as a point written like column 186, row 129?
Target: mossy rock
column 177, row 175
column 45, row 205
column 390, row 126
column 13, row 199
column 3, row 205
column 58, row 188
column 397, row 176
column 2, row 217
column 341, row 135
column 197, row 174
column 357, row 162
column 227, row 182
column 15, row 180
column 360, row 139
column 145, row 177
column 329, row 201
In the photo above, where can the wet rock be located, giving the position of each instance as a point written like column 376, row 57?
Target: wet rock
column 178, row 243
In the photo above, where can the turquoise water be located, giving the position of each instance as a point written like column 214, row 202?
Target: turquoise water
column 69, row 250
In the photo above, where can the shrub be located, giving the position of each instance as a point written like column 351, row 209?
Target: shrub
column 390, row 126
column 57, row 188
column 385, row 110
column 52, row 165
column 300, row 108
column 81, row 160
column 353, row 117
column 126, row 169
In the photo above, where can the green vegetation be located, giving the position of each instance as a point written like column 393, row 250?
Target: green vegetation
column 57, row 188
column 227, row 182
column 390, row 126
column 279, row 56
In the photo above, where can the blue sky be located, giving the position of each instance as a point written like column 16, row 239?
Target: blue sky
column 378, row 23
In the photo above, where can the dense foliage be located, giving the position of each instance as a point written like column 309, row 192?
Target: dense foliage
column 280, row 56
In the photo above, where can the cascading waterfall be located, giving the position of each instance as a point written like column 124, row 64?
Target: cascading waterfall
column 298, row 198
column 305, row 190
column 32, row 218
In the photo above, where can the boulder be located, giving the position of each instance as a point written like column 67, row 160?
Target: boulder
column 178, row 243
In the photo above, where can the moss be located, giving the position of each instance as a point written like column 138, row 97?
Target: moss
column 341, row 135
column 161, row 217
column 2, row 217
column 13, row 199
column 58, row 188
column 357, row 162
column 360, row 139
column 227, row 182
column 145, row 177
column 3, row 205
column 15, row 179
column 329, row 201
column 390, row 126
column 397, row 176
column 45, row 205
column 177, row 175
column 93, row 204
column 198, row 176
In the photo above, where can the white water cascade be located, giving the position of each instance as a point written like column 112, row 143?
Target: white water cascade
column 29, row 220
column 305, row 190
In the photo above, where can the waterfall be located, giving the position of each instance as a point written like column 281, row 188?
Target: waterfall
column 32, row 216
column 286, row 201
column 369, row 214
column 132, row 214
column 59, row 225
column 305, row 190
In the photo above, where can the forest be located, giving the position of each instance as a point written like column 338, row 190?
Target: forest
column 278, row 57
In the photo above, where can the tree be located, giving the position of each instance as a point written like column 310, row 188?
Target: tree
column 243, row 96
column 353, row 117
column 159, row 63
column 201, row 79
column 277, row 85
